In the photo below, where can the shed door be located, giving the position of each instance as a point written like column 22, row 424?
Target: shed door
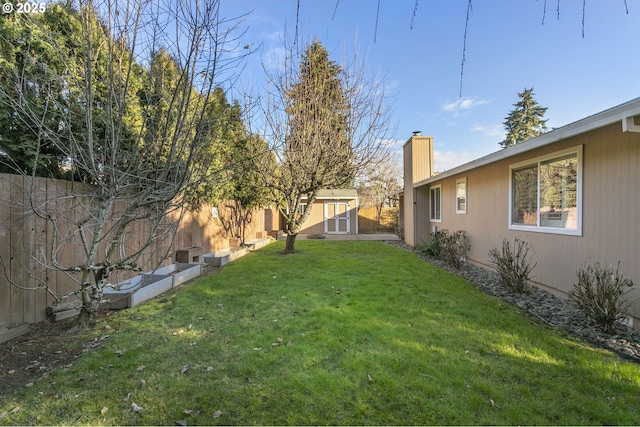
column 336, row 218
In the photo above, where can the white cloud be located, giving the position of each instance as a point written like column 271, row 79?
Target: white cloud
column 462, row 104
column 445, row 160
column 492, row 131
column 274, row 58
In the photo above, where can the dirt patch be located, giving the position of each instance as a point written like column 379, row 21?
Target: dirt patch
column 31, row 357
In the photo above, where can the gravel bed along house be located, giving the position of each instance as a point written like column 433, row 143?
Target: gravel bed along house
column 545, row 306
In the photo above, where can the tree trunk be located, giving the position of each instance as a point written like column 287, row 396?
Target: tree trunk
column 84, row 321
column 291, row 241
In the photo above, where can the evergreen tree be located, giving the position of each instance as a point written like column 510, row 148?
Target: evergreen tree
column 525, row 121
column 317, row 151
column 38, row 53
column 326, row 122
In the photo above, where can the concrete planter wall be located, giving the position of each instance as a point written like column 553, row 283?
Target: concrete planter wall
column 180, row 272
column 149, row 285
column 217, row 258
column 137, row 290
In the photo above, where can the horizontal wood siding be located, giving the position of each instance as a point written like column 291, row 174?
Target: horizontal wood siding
column 610, row 206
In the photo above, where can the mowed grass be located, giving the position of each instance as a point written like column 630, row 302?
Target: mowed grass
column 349, row 333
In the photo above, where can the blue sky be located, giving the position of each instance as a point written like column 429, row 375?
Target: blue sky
column 508, row 48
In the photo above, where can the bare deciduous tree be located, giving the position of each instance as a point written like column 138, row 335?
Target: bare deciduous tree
column 379, row 184
column 325, row 122
column 129, row 111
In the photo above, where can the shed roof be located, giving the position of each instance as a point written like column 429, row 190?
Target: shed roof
column 624, row 113
column 338, row 193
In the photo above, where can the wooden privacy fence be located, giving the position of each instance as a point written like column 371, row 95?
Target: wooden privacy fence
column 25, row 238
column 368, row 220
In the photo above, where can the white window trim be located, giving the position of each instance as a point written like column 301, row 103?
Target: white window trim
column 461, row 211
column 439, row 186
column 536, row 161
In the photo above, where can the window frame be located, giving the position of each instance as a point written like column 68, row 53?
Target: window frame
column 464, row 197
column 536, row 162
column 432, row 193
column 302, row 208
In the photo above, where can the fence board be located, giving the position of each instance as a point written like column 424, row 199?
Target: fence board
column 5, row 251
column 368, row 220
column 26, row 236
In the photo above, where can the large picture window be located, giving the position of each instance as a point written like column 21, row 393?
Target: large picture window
column 546, row 194
column 435, row 198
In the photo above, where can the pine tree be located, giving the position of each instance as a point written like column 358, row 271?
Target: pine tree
column 525, row 121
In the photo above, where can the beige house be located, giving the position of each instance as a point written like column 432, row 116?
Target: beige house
column 572, row 193
column 333, row 212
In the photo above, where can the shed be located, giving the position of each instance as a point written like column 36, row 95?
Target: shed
column 333, row 212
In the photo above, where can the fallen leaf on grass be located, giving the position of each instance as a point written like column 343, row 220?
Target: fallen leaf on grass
column 185, row 368
column 217, row 414
column 369, row 377
column 135, row 408
column 209, row 369
column 126, row 398
column 103, row 410
column 5, row 414
column 187, row 411
column 140, row 368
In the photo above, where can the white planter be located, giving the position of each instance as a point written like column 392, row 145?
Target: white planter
column 217, row 258
column 180, row 272
column 235, row 253
column 137, row 290
column 149, row 285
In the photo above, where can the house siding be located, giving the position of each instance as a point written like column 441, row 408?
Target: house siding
column 610, row 205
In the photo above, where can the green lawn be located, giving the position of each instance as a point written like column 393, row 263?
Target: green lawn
column 339, row 333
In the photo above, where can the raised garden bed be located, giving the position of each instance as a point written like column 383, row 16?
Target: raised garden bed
column 257, row 243
column 180, row 272
column 149, row 285
column 217, row 258
column 137, row 290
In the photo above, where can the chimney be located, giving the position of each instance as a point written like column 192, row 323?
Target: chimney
column 418, row 166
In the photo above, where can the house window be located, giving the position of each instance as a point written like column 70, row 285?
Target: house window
column 302, row 207
column 461, row 196
column 435, row 196
column 546, row 194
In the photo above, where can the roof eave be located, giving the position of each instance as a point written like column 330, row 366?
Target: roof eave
column 604, row 118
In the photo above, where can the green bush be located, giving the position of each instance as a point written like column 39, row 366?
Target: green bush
column 599, row 294
column 450, row 247
column 432, row 246
column 514, row 265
